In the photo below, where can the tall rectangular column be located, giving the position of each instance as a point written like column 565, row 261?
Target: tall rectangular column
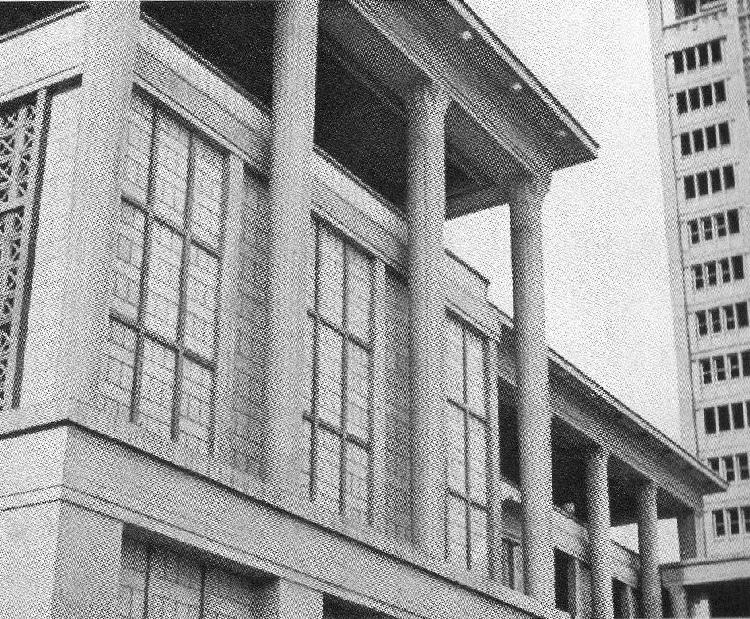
column 69, row 316
column 648, row 549
column 293, row 117
column 597, row 501
column 532, row 386
column 425, row 211
column 59, row 561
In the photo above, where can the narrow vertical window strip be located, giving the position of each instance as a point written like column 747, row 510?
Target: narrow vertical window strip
column 174, row 311
column 342, row 355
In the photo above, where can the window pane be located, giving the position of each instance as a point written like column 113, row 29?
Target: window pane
column 195, row 405
column 682, row 104
column 709, row 420
column 711, row 136
column 738, row 415
column 719, row 523
column 475, row 396
column 163, row 284
column 724, row 137
column 734, row 520
column 723, row 413
column 685, row 144
column 359, row 293
column 330, row 276
column 157, row 388
column 734, row 221
column 721, row 92
column 117, row 375
column 328, row 467
column 170, row 176
column 457, row 531
column 689, row 184
column 208, row 177
column 478, row 460
column 716, row 51
column 454, row 361
column 479, row 553
column 200, row 318
column 456, row 449
column 742, row 317
column 128, row 261
column 139, row 147
column 358, row 391
column 356, row 483
column 328, row 396
column 690, row 58
column 698, row 140
column 679, row 66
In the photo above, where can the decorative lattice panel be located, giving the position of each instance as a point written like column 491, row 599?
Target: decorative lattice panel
column 19, row 129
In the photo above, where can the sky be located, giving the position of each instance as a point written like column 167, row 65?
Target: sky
column 607, row 294
column 607, row 287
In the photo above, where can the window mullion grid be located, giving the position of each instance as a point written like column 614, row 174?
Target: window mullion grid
column 370, row 394
column 344, row 381
column 467, row 459
column 315, row 361
column 179, row 344
column 145, row 268
column 218, row 308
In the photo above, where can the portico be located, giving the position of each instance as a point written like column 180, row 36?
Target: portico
column 415, row 112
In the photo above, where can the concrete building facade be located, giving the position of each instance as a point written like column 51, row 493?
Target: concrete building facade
column 241, row 377
column 700, row 52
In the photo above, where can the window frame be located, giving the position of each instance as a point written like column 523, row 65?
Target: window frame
column 311, row 416
column 179, row 348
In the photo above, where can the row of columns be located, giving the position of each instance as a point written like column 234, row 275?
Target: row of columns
column 426, row 106
column 293, row 106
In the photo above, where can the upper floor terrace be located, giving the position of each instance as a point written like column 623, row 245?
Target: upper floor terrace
column 254, row 290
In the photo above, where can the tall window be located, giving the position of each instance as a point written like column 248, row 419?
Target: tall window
column 164, row 295
column 19, row 127
column 466, row 420
column 338, row 425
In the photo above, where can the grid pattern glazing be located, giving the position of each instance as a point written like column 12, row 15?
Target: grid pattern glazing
column 160, row 372
column 338, row 424
column 19, row 125
column 158, row 583
column 466, row 418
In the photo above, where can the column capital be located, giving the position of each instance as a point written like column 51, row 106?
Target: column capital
column 427, row 96
column 525, row 199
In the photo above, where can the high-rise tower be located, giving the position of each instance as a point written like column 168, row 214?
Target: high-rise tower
column 701, row 53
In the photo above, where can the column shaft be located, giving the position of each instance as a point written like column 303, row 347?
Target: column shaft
column 532, row 387
column 293, row 115
column 678, row 601
column 648, row 548
column 597, row 501
column 425, row 208
column 59, row 561
column 690, row 535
